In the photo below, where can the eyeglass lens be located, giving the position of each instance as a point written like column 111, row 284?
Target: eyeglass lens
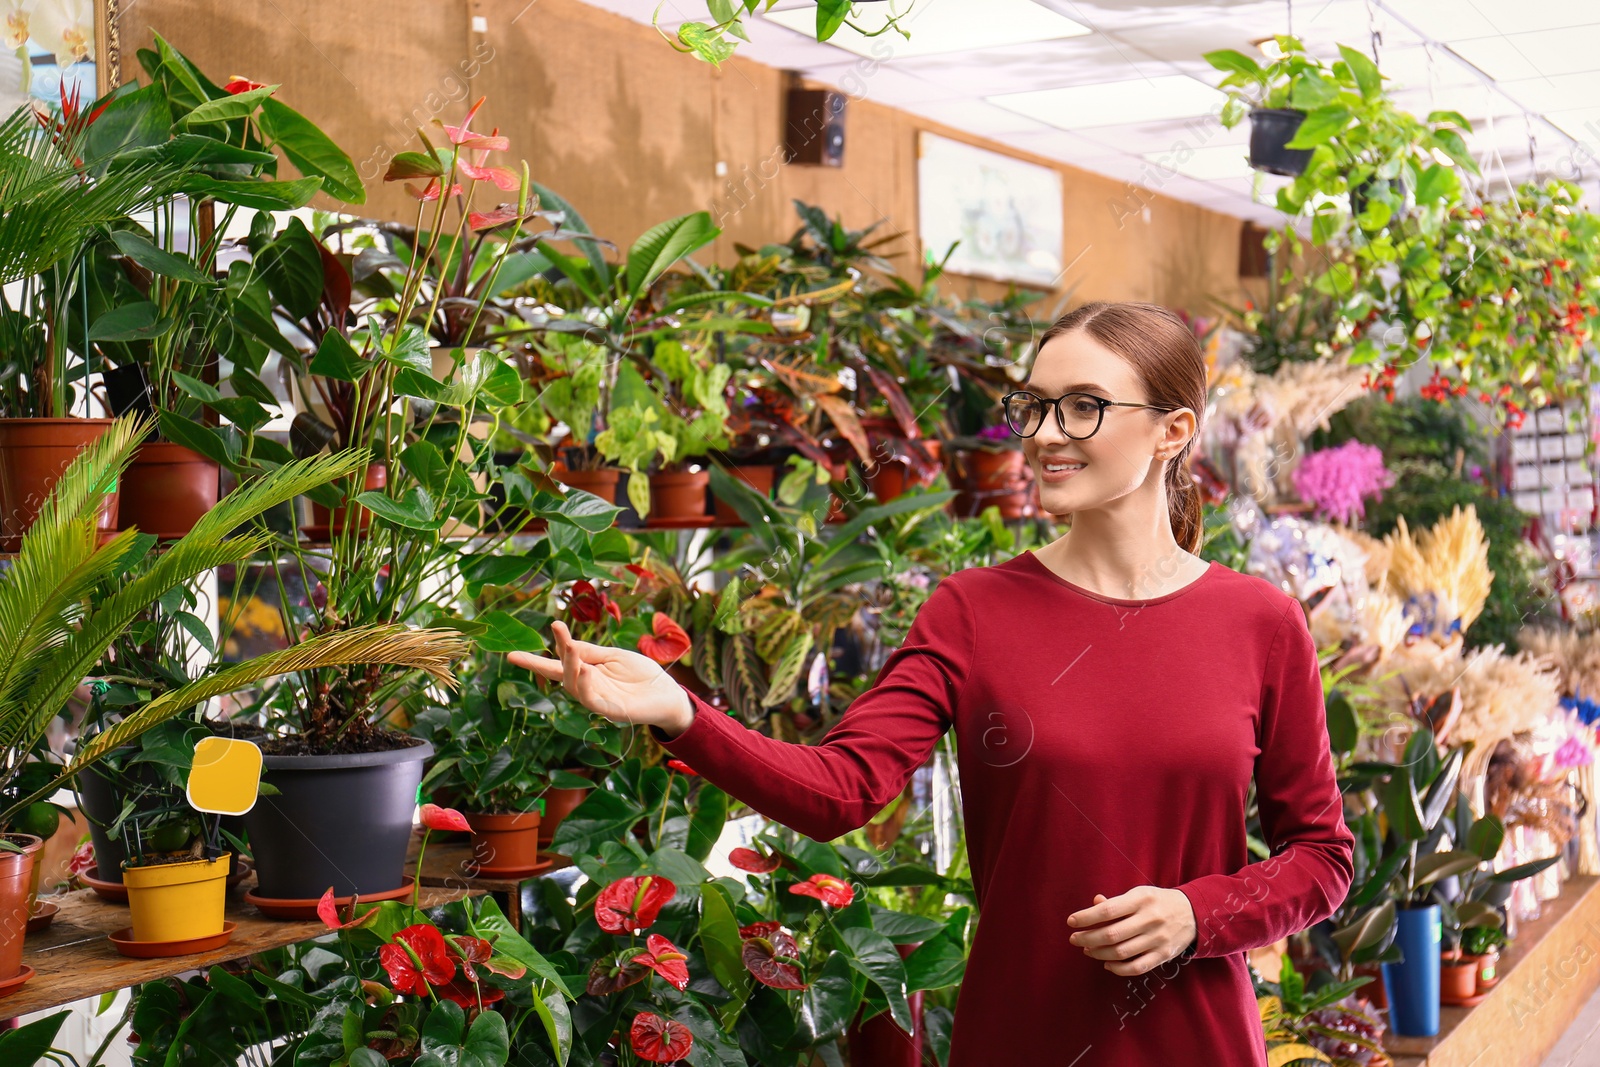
column 1079, row 414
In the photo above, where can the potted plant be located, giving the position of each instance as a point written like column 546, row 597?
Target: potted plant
column 1318, row 1023
column 59, row 633
column 989, row 468
column 176, row 894
column 1482, row 945
column 494, row 749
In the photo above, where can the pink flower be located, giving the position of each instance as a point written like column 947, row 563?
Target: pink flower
column 462, row 137
column 328, row 912
column 436, row 818
column 1339, row 481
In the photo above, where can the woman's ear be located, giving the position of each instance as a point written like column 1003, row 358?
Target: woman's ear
column 1180, row 430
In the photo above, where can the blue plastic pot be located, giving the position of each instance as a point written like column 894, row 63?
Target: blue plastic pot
column 1412, row 985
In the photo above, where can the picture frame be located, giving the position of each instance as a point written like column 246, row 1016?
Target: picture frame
column 1004, row 215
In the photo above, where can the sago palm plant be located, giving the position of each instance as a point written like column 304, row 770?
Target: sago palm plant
column 52, row 636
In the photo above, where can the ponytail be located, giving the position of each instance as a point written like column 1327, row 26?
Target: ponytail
column 1183, row 503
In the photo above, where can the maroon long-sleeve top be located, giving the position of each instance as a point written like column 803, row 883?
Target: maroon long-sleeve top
column 1103, row 744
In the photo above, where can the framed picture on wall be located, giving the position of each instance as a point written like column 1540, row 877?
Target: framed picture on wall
column 55, row 49
column 1004, row 212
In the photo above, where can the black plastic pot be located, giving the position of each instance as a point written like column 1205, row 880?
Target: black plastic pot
column 342, row 821
column 1271, row 128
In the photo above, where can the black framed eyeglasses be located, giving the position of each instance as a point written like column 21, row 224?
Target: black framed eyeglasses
column 1077, row 414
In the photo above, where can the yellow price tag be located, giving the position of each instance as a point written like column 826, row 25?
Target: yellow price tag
column 226, row 776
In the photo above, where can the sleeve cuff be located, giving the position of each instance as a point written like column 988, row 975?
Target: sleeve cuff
column 1199, row 904
column 701, row 727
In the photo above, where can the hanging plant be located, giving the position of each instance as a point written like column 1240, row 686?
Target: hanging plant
column 713, row 41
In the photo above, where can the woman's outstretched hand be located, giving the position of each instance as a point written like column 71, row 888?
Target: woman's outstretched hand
column 623, row 686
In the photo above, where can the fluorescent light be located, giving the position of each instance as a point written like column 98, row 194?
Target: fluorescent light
column 1208, row 164
column 937, row 26
column 1080, row 107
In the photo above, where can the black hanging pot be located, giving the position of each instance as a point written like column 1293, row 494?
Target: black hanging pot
column 1271, row 128
column 341, row 820
column 1363, row 193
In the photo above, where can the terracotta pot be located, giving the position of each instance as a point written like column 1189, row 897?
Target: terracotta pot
column 166, row 490
column 505, row 841
column 377, row 477
column 558, row 804
column 1488, row 969
column 1458, row 980
column 888, row 480
column 878, row 1042
column 602, row 483
column 33, row 453
column 1001, row 478
column 757, row 476
column 678, row 494
column 16, row 874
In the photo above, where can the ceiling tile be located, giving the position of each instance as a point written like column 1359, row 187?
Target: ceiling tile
column 1544, row 54
column 1117, row 103
column 1456, row 20
column 977, row 115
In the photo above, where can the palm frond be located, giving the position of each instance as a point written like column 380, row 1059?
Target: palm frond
column 204, row 548
column 51, row 206
column 430, row 650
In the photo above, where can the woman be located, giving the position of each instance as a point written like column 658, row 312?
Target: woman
column 1112, row 695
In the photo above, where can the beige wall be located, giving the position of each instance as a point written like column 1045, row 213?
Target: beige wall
column 630, row 132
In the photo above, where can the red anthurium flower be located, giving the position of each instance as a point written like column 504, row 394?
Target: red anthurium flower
column 666, row 959
column 488, row 220
column 587, row 603
column 465, row 138
column 669, row 642
column 608, row 975
column 659, row 1039
column 431, row 192
column 682, row 768
column 436, row 818
column 628, row 905
column 761, row 929
column 469, row 950
column 638, row 571
column 748, row 859
column 470, row 994
column 774, row 961
column 825, row 887
column 238, row 84
column 499, row 175
column 416, row 959
column 328, row 912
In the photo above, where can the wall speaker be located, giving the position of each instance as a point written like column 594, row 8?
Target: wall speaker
column 814, row 127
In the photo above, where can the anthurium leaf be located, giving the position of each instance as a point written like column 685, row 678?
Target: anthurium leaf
column 261, row 195
column 603, row 815
column 502, row 386
column 719, row 938
column 829, row 1003
column 202, row 391
column 935, row 964
column 136, row 321
column 507, row 633
column 587, row 511
column 426, row 463
column 336, row 358
column 875, row 957
column 311, row 151
column 140, row 249
column 902, row 928
column 491, row 924
column 31, row 1043
column 706, row 821
column 410, row 349
column 228, row 108
column 485, row 569
column 557, row 1019
column 413, row 509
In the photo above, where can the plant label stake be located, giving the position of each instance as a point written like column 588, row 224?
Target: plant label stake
column 225, row 778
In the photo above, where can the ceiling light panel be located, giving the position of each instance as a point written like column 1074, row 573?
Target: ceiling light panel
column 1544, row 54
column 1211, row 163
column 938, row 26
column 1082, row 107
column 1456, row 20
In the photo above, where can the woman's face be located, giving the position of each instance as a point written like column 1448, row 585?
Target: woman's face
column 1081, row 475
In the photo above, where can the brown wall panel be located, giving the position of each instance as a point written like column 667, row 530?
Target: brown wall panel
column 631, row 132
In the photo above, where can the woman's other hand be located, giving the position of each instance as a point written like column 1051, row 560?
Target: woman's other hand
column 623, row 686
column 1136, row 931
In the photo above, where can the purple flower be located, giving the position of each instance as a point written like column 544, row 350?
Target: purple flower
column 995, row 433
column 1339, row 481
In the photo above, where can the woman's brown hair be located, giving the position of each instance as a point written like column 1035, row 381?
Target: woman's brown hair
column 1164, row 353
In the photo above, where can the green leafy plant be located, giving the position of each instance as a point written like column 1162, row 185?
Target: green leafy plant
column 715, row 42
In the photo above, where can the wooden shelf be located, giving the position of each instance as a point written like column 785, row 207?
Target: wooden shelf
column 1546, row 976
column 75, row 959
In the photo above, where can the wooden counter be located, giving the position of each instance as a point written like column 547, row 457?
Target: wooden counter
column 1547, row 974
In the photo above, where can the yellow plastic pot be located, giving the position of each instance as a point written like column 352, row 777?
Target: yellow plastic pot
column 177, row 901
